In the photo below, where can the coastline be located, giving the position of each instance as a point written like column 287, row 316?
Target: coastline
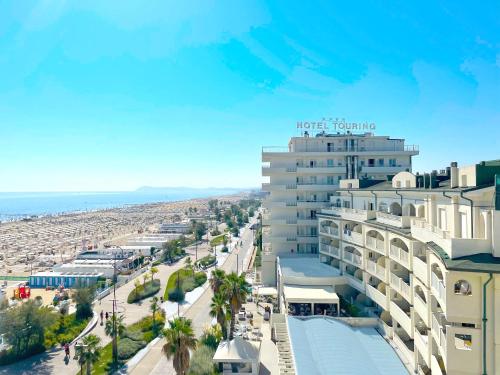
column 39, row 243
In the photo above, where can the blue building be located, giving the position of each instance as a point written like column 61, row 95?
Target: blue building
column 66, row 279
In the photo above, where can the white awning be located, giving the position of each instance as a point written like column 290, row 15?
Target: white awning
column 267, row 291
column 237, row 350
column 310, row 294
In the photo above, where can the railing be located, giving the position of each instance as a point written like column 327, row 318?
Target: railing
column 329, row 230
column 353, row 236
column 375, row 243
column 438, row 287
column 332, row 250
column 401, row 286
column 291, row 186
column 400, row 254
column 390, row 147
column 419, row 223
column 291, row 204
column 375, row 268
column 440, row 335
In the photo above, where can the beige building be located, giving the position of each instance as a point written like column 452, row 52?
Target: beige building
column 302, row 178
column 422, row 253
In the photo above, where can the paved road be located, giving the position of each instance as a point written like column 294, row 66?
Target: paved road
column 54, row 362
column 155, row 363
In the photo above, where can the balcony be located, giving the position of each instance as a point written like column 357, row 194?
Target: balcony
column 354, row 237
column 352, row 214
column 270, row 170
column 307, row 221
column 393, row 220
column 437, row 365
column 439, row 332
column 384, row 169
column 400, row 255
column 312, row 204
column 320, row 169
column 438, row 289
column 268, row 220
column 352, row 258
column 401, row 286
column 314, row 186
column 375, row 244
column 330, row 250
column 377, row 296
column 279, row 204
column 307, row 238
column 404, row 318
column 454, row 247
column 420, row 270
column 355, row 281
column 375, row 269
column 329, row 231
column 420, row 307
column 421, row 340
column 389, row 149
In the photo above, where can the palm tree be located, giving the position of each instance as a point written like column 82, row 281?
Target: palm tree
column 114, row 328
column 220, row 309
column 153, row 270
column 144, row 279
column 154, row 308
column 189, row 264
column 137, row 284
column 88, row 352
column 218, row 277
column 179, row 340
column 236, row 289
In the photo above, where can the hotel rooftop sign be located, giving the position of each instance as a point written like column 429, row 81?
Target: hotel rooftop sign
column 337, row 124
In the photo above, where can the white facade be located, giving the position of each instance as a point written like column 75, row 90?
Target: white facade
column 303, row 176
column 424, row 252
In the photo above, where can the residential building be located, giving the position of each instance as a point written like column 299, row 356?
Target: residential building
column 422, row 253
column 303, row 177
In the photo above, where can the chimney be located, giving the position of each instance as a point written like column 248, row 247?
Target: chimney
column 454, row 175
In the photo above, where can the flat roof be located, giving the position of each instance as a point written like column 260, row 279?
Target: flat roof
column 311, row 267
column 67, row 274
column 313, row 294
column 485, row 263
column 237, row 350
column 326, row 346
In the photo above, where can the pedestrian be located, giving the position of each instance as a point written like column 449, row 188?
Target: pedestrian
column 107, row 315
column 66, row 349
column 102, row 316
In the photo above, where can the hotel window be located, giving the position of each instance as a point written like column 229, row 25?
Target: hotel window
column 371, row 162
column 392, row 162
column 463, row 288
column 381, row 162
column 463, row 342
column 329, row 162
column 330, row 180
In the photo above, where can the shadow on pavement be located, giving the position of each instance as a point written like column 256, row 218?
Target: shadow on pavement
column 38, row 364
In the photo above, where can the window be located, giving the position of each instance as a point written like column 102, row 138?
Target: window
column 463, row 342
column 392, row 162
column 463, row 288
column 381, row 162
column 371, row 162
column 329, row 162
column 330, row 180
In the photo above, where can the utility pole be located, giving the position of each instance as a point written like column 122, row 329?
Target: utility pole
column 115, row 338
column 178, row 288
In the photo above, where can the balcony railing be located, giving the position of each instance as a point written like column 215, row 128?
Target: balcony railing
column 393, row 220
column 439, row 334
column 376, row 269
column 329, row 249
column 401, row 286
column 438, row 287
column 352, row 258
column 329, row 230
column 389, row 147
column 401, row 255
column 353, row 237
column 375, row 244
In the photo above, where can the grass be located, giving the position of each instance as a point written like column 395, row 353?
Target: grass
column 149, row 289
column 207, row 261
column 140, row 333
column 188, row 282
column 217, row 240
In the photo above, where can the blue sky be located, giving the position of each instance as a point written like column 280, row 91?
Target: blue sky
column 113, row 95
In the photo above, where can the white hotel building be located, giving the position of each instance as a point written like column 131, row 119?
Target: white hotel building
column 422, row 252
column 303, row 176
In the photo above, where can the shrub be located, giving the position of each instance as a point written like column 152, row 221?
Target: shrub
column 127, row 347
column 201, row 362
column 188, row 284
column 148, row 290
column 225, row 249
column 133, row 334
column 157, row 263
column 207, row 261
column 200, row 278
column 176, row 295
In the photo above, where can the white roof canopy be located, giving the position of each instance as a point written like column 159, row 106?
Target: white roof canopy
column 237, row 350
column 310, row 294
column 267, row 291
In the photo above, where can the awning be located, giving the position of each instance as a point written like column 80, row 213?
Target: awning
column 310, row 294
column 237, row 350
column 267, row 291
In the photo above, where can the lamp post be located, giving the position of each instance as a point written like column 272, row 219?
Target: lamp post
column 115, row 336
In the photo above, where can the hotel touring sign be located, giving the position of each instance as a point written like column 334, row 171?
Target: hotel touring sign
column 335, row 124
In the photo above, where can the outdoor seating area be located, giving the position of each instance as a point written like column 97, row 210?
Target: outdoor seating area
column 238, row 356
column 310, row 300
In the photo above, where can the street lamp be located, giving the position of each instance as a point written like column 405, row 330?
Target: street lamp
column 115, row 336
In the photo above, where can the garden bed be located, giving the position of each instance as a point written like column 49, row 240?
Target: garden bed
column 187, row 282
column 146, row 290
column 217, row 240
column 206, row 262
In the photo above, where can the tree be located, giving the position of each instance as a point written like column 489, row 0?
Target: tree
column 218, row 277
column 220, row 309
column 88, row 352
column 24, row 326
column 189, row 265
column 154, row 308
column 137, row 284
column 211, row 337
column 84, row 297
column 153, row 270
column 180, row 340
column 212, row 204
column 115, row 328
column 236, row 289
column 144, row 279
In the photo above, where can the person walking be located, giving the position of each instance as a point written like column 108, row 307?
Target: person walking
column 102, row 317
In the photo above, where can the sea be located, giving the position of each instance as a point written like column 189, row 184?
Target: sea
column 17, row 206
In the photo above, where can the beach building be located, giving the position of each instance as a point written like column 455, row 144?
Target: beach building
column 422, row 254
column 175, row 228
column 66, row 279
column 302, row 178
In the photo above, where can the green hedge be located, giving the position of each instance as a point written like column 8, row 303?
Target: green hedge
column 207, row 261
column 217, row 240
column 144, row 291
column 188, row 282
column 64, row 330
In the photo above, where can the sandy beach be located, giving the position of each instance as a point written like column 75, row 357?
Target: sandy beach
column 40, row 243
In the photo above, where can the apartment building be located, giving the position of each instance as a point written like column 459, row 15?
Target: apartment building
column 302, row 178
column 422, row 252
